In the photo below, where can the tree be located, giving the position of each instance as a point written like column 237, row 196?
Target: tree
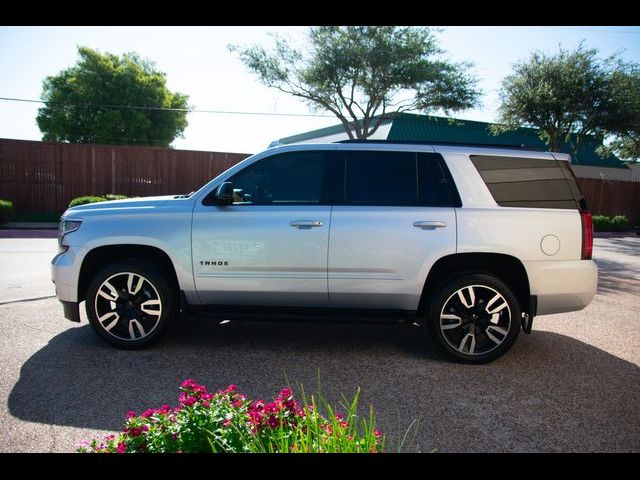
column 108, row 99
column 362, row 74
column 571, row 92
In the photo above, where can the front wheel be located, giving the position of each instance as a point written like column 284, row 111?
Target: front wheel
column 130, row 304
column 474, row 318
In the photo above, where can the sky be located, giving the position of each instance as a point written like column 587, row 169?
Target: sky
column 197, row 62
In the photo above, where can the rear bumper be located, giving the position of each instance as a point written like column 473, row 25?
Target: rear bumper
column 562, row 286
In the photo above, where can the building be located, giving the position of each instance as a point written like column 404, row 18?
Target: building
column 587, row 163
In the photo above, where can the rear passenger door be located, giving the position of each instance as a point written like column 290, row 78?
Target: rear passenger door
column 393, row 217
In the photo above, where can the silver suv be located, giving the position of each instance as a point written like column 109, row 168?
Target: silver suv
column 469, row 242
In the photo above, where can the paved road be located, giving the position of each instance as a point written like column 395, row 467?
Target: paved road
column 573, row 385
column 24, row 267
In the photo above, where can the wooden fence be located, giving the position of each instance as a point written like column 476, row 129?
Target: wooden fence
column 45, row 176
column 612, row 197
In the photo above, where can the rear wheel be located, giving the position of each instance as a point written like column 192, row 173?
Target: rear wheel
column 130, row 304
column 474, row 318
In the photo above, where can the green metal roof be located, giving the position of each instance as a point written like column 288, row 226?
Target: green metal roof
column 412, row 127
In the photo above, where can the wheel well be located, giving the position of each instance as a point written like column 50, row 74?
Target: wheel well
column 100, row 257
column 509, row 269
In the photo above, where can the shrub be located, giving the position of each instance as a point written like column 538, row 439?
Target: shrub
column 619, row 223
column 85, row 200
column 229, row 422
column 113, row 196
column 6, row 210
column 93, row 199
column 601, row 223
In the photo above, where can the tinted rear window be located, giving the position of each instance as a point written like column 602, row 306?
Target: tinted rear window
column 527, row 182
column 381, row 178
column 395, row 178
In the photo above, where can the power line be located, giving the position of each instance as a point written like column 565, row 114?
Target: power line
column 166, row 109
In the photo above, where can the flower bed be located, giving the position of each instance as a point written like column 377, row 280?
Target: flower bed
column 227, row 421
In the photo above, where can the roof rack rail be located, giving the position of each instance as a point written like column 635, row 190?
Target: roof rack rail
column 536, row 148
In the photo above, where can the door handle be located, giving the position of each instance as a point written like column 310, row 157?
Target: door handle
column 305, row 223
column 429, row 225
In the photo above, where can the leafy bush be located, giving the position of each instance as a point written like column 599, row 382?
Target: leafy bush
column 601, row 223
column 93, row 199
column 228, row 422
column 6, row 210
column 113, row 196
column 85, row 200
column 619, row 223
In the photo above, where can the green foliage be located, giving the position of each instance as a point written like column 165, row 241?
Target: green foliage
column 113, row 196
column 87, row 103
column 362, row 74
column 228, row 422
column 93, row 199
column 619, row 223
column 6, row 210
column 85, row 200
column 571, row 92
column 601, row 223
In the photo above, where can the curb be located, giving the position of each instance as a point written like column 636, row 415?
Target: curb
column 22, row 300
column 30, row 233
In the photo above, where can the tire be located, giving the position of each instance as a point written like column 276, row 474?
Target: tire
column 130, row 304
column 473, row 318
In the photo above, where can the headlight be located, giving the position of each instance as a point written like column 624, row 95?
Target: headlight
column 68, row 226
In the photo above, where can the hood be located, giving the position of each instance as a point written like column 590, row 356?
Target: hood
column 140, row 202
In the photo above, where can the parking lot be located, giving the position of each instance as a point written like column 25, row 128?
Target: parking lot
column 573, row 385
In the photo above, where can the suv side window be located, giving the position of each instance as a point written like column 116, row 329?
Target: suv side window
column 395, row 179
column 381, row 178
column 287, row 178
column 526, row 182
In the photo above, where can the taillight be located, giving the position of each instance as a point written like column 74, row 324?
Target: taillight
column 587, row 234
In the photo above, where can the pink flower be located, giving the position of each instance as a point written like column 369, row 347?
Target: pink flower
column 257, row 405
column 273, row 421
column 109, row 437
column 165, row 409
column 285, row 394
column 189, row 401
column 145, row 428
column 206, row 403
column 122, row 448
column 147, row 413
column 131, row 414
column 226, row 423
column 231, row 388
column 377, row 433
column 135, row 432
column 339, row 417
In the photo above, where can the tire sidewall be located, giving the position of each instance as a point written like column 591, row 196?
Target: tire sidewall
column 156, row 278
column 447, row 289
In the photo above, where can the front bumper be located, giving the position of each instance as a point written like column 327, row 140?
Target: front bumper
column 65, row 272
column 563, row 285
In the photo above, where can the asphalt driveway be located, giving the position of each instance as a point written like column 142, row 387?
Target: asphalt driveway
column 573, row 385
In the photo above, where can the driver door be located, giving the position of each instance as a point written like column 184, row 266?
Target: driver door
column 269, row 248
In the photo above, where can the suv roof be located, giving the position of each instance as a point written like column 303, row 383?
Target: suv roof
column 461, row 144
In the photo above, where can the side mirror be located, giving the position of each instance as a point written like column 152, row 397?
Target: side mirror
column 223, row 195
